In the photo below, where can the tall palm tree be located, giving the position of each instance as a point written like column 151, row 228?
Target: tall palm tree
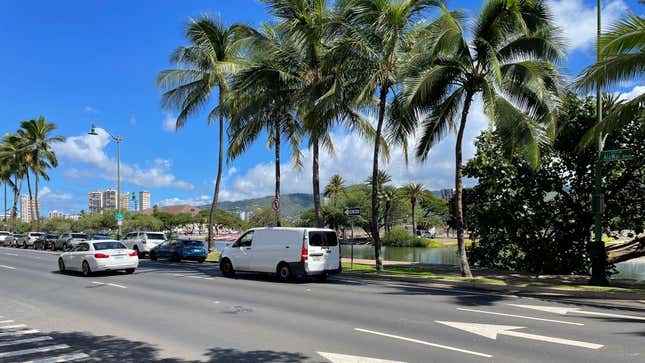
column 12, row 156
column 205, row 65
column 509, row 61
column 376, row 31
column 5, row 178
column 413, row 191
column 622, row 58
column 38, row 141
column 382, row 178
column 335, row 188
column 387, row 195
column 263, row 97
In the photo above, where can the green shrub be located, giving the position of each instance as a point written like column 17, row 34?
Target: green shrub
column 399, row 237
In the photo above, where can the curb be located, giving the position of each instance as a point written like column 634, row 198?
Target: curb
column 507, row 289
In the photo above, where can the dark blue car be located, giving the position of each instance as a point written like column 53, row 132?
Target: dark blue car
column 180, row 249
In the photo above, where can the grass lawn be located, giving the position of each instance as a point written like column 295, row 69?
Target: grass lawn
column 213, row 256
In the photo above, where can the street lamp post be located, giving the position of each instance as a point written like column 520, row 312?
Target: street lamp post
column 118, row 140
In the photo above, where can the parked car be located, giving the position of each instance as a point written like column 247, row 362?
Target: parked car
column 14, row 240
column 5, row 238
column 143, row 242
column 46, row 242
column 180, row 249
column 97, row 237
column 68, row 240
column 287, row 252
column 93, row 256
column 28, row 239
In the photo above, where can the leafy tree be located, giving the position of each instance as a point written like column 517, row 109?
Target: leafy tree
column 509, row 61
column 12, row 157
column 205, row 66
column 263, row 217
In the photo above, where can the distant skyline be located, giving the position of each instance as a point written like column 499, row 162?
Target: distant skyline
column 81, row 63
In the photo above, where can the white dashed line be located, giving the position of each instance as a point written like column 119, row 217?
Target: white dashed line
column 33, row 350
column 11, row 254
column 21, row 332
column 60, row 358
column 8, row 267
column 24, row 341
column 13, row 326
column 6, row 321
column 119, row 286
column 97, row 283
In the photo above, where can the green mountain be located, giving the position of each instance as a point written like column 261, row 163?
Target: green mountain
column 291, row 205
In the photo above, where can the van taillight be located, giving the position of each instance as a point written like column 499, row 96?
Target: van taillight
column 304, row 254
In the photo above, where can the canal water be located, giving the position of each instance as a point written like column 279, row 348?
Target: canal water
column 634, row 269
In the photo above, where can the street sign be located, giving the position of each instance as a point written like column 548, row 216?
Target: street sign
column 119, row 216
column 614, row 155
column 352, row 211
column 275, row 205
column 119, row 222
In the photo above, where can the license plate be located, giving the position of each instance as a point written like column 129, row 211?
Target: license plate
column 118, row 257
column 317, row 258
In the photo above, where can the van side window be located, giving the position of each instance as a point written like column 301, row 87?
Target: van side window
column 246, row 240
column 322, row 239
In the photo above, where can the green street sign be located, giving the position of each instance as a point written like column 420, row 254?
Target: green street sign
column 614, row 155
column 119, row 216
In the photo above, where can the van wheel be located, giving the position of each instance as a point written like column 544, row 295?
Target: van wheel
column 284, row 272
column 86, row 269
column 227, row 268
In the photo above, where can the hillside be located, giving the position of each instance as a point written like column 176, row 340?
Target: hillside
column 292, row 205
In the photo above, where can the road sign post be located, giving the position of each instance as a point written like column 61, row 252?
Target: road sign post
column 350, row 212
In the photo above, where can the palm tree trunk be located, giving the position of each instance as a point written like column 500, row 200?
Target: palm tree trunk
column 14, row 210
column 37, row 206
column 414, row 224
column 277, row 170
column 459, row 215
column 316, row 181
column 377, row 145
column 31, row 203
column 220, row 153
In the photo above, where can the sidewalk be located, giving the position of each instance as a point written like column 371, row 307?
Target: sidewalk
column 573, row 286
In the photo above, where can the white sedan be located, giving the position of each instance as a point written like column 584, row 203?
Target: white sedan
column 100, row 255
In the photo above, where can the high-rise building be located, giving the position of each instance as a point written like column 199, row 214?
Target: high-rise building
column 144, row 200
column 124, row 201
column 26, row 206
column 109, row 199
column 95, row 202
column 55, row 214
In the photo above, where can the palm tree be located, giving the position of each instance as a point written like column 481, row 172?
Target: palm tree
column 388, row 196
column 335, row 187
column 376, row 31
column 622, row 58
column 263, row 98
column 5, row 178
column 509, row 62
column 413, row 191
column 382, row 178
column 12, row 156
column 205, row 66
column 38, row 141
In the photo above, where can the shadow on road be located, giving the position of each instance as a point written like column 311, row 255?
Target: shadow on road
column 108, row 348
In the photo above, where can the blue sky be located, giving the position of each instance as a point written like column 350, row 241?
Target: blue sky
column 85, row 62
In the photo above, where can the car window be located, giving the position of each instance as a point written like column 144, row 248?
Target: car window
column 193, row 244
column 130, row 235
column 155, row 236
column 79, row 235
column 176, row 244
column 246, row 240
column 112, row 245
column 322, row 238
column 82, row 247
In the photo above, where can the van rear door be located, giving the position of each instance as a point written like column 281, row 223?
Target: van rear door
column 324, row 251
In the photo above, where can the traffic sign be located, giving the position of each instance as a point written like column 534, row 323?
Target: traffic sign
column 119, row 222
column 352, row 211
column 119, row 216
column 275, row 205
column 614, row 155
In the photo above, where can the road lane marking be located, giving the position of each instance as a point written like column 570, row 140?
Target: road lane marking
column 6, row 321
column 13, row 326
column 109, row 284
column 25, row 341
column 8, row 267
column 565, row 310
column 491, row 331
column 12, row 254
column 117, row 285
column 49, row 348
column 20, row 332
column 520, row 316
column 424, row 343
column 195, row 277
column 344, row 358
column 60, row 358
column 97, row 283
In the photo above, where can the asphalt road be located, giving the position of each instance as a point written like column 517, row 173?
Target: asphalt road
column 184, row 312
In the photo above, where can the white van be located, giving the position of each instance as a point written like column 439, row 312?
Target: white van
column 287, row 252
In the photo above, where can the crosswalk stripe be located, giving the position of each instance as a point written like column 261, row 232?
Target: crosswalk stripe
column 13, row 326
column 24, row 341
column 49, row 348
column 60, row 358
column 19, row 332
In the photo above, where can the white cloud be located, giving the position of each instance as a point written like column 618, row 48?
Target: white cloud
column 89, row 149
column 195, row 201
column 353, row 161
column 169, row 123
column 50, row 200
column 90, row 109
column 578, row 19
column 231, row 171
column 636, row 91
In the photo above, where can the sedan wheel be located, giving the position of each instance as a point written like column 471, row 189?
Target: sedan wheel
column 61, row 266
column 86, row 269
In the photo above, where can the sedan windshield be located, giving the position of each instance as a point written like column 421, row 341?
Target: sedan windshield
column 113, row 245
column 156, row 236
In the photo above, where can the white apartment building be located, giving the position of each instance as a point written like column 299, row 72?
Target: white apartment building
column 26, row 206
